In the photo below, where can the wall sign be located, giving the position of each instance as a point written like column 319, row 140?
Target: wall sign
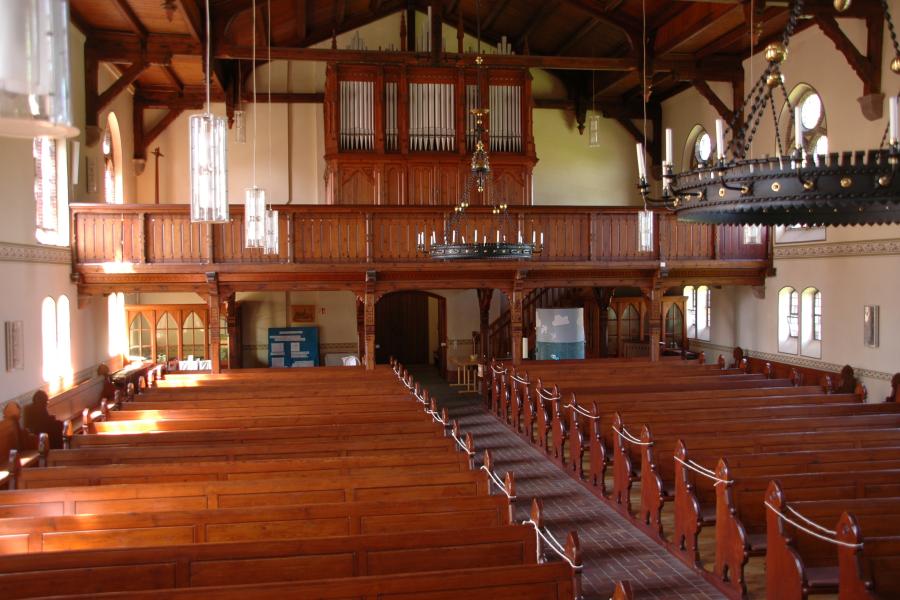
column 15, row 345
column 293, row 347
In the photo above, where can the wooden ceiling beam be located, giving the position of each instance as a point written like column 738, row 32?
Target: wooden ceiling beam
column 862, row 65
column 289, row 98
column 78, row 21
column 156, row 130
column 697, row 21
column 630, row 27
column 193, row 18
column 134, row 22
column 301, row 20
column 713, row 99
column 173, row 77
column 496, row 11
column 579, row 35
column 127, row 77
column 539, row 17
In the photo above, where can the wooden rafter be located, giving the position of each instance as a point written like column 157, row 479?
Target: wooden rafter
column 863, row 66
column 547, row 8
column 127, row 77
column 496, row 11
column 133, row 21
column 300, row 18
column 157, row 129
column 713, row 99
column 579, row 35
column 697, row 22
column 630, row 27
column 193, row 17
column 173, row 77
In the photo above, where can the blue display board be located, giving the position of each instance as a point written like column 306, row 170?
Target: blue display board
column 293, row 347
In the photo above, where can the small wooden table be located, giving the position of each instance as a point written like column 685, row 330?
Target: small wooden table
column 466, row 376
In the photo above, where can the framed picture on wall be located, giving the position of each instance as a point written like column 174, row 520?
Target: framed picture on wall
column 870, row 326
column 15, row 345
column 303, row 313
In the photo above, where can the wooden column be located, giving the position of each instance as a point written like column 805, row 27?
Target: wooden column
column 484, row 306
column 603, row 296
column 369, row 300
column 361, row 325
column 655, row 321
column 235, row 358
column 212, row 325
column 515, row 320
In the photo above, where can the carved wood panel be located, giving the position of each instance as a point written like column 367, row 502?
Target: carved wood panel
column 356, row 184
column 173, row 238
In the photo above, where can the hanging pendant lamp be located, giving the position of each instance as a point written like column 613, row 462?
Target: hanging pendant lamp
column 209, row 174
column 254, row 196
column 270, row 217
column 35, row 82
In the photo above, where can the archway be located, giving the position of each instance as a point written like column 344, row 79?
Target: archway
column 411, row 326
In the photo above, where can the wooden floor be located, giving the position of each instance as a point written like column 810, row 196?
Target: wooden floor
column 612, row 549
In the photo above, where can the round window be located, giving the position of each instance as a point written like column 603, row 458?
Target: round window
column 703, row 147
column 811, row 111
column 820, row 145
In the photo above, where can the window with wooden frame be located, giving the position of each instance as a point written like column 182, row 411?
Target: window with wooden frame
column 193, row 333
column 630, row 324
column 56, row 341
column 166, row 337
column 788, row 320
column 794, row 314
column 817, row 316
column 139, row 336
column 51, row 195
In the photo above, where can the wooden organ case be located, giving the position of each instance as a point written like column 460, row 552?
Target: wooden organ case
column 404, row 134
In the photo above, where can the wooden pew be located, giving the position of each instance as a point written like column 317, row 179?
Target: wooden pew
column 146, row 454
column 803, row 559
column 226, row 494
column 448, row 461
column 195, row 565
column 140, row 529
column 868, row 564
column 529, row 582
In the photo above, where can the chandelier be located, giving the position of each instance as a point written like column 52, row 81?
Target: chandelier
column 798, row 186
column 492, row 244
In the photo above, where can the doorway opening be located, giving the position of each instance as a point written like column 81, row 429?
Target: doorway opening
column 411, row 326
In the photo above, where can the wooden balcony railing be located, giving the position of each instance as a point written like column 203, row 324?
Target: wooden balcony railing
column 366, row 235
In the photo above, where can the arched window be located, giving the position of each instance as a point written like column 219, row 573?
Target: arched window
column 630, row 324
column 193, row 335
column 118, row 335
column 51, row 195
column 111, row 146
column 56, row 340
column 674, row 327
column 788, row 320
column 166, row 338
column 139, row 337
column 699, row 147
column 698, row 307
column 811, row 323
column 48, row 339
column 224, row 350
column 813, row 125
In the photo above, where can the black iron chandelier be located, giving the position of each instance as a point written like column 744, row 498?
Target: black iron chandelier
column 493, row 243
column 797, row 186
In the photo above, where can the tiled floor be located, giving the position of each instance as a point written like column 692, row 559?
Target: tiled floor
column 612, row 548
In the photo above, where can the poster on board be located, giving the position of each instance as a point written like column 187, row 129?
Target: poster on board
column 293, row 347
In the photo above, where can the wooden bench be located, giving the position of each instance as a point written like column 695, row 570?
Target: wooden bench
column 868, row 564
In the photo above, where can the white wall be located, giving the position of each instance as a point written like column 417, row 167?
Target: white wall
column 46, row 272
column 740, row 315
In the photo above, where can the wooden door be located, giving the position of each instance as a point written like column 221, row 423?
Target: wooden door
column 401, row 328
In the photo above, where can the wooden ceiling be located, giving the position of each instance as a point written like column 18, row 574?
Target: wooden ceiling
column 594, row 46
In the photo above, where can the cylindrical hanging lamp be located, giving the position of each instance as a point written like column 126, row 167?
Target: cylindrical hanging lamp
column 271, row 221
column 35, row 82
column 254, row 217
column 209, row 176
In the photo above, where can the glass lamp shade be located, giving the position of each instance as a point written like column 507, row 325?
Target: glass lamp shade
column 240, row 127
column 35, row 83
column 271, row 224
column 254, row 217
column 594, row 131
column 753, row 234
column 645, row 231
column 209, row 181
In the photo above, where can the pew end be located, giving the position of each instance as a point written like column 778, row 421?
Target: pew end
column 895, row 386
column 784, row 566
column 855, row 580
column 623, row 591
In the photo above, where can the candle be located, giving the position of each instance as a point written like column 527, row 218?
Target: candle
column 720, row 139
column 454, row 237
column 798, row 129
column 520, row 237
column 895, row 123
column 669, row 147
column 476, row 236
column 542, row 238
column 533, row 238
column 498, row 236
column 642, row 164
column 484, row 239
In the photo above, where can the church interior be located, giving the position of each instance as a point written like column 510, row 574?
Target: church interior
column 498, row 298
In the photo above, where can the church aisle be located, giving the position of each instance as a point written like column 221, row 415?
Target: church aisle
column 612, row 549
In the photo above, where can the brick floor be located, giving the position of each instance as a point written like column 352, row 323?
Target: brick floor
column 612, row 549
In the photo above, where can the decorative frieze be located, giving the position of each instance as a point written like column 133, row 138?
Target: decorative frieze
column 839, row 249
column 33, row 253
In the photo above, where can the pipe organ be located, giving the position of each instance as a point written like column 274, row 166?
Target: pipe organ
column 404, row 134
